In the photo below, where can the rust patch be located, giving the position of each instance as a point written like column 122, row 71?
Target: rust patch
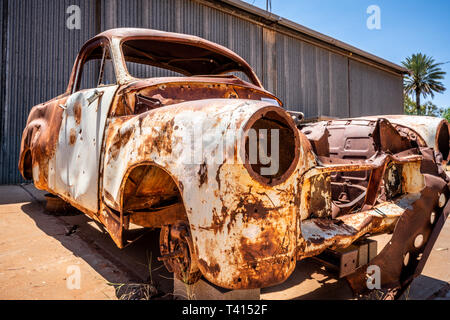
column 218, row 174
column 218, row 221
column 119, row 140
column 73, row 136
column 263, row 247
column 77, row 112
column 108, row 196
column 214, row 268
column 41, row 137
column 254, row 209
column 203, row 174
column 163, row 140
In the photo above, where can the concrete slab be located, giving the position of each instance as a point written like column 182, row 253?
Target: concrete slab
column 204, row 290
column 424, row 287
column 309, row 281
column 37, row 259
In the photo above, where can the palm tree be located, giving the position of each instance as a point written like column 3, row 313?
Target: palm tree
column 424, row 77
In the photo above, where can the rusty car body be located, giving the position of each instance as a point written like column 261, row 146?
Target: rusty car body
column 172, row 152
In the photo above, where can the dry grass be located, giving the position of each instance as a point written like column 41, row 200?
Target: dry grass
column 137, row 291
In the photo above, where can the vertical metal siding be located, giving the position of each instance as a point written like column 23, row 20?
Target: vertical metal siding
column 3, row 69
column 339, row 99
column 217, row 22
column 374, row 92
column 289, row 70
column 38, row 52
column 322, row 81
column 269, row 54
column 311, row 79
column 282, row 73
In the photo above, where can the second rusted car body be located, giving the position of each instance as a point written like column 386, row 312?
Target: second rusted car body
column 173, row 153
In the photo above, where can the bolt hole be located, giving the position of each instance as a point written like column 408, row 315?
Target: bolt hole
column 442, row 200
column 239, row 279
column 406, row 259
column 433, row 217
column 418, row 241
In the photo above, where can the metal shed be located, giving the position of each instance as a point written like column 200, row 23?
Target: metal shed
column 309, row 71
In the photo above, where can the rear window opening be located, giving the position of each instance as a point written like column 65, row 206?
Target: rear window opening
column 147, row 58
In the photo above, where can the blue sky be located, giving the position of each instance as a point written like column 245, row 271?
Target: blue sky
column 406, row 27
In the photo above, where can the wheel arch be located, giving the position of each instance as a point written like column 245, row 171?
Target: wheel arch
column 156, row 180
column 26, row 164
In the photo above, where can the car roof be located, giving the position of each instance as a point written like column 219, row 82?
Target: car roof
column 192, row 53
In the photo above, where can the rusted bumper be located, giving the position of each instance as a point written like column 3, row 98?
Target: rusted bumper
column 415, row 233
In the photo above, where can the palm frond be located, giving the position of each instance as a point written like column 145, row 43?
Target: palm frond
column 425, row 75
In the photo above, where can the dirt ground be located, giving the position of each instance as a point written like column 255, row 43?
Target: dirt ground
column 44, row 256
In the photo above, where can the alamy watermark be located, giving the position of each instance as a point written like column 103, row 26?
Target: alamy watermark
column 73, row 22
column 373, row 274
column 231, row 146
column 73, row 281
column 374, row 20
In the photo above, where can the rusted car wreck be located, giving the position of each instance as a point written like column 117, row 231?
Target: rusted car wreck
column 182, row 152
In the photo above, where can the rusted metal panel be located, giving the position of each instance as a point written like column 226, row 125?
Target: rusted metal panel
column 402, row 258
column 426, row 127
column 73, row 171
column 220, row 222
column 320, row 234
column 419, row 176
column 426, row 131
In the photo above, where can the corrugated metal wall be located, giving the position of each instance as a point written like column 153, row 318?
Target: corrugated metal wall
column 373, row 91
column 38, row 52
column 3, row 26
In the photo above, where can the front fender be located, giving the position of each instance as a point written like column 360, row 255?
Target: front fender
column 430, row 132
column 244, row 232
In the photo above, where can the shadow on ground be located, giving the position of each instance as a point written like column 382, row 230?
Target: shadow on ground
column 128, row 269
column 310, row 281
column 426, row 288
